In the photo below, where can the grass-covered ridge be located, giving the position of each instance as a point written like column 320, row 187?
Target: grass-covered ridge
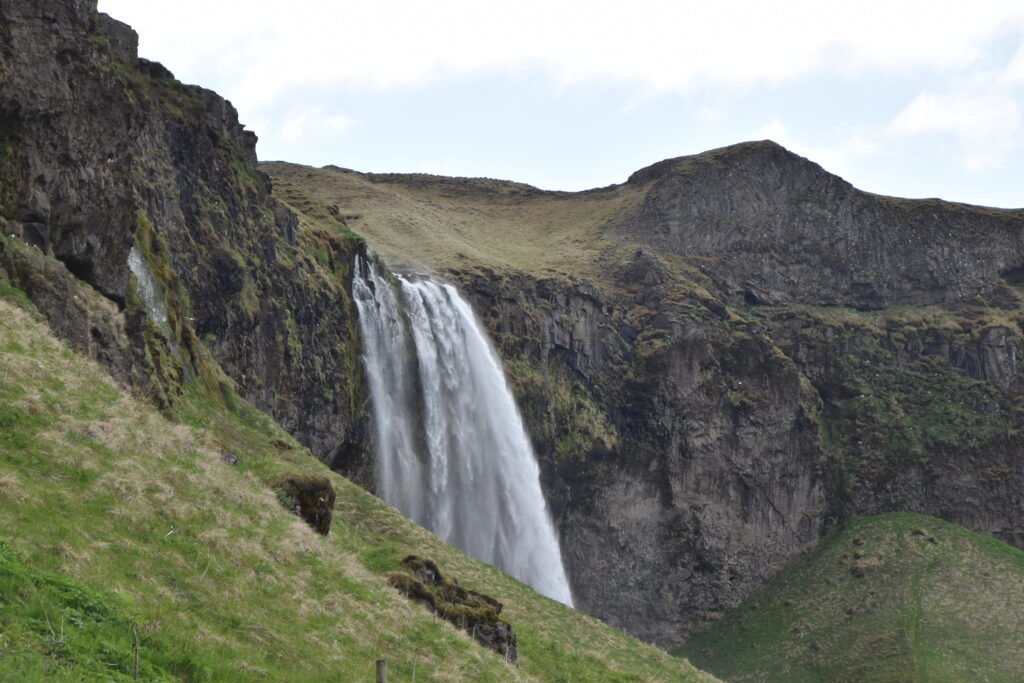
column 899, row 596
column 113, row 516
column 438, row 223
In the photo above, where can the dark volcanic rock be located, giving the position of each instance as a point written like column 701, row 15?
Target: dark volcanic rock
column 775, row 227
column 715, row 478
column 737, row 436
column 312, row 498
column 475, row 613
column 101, row 152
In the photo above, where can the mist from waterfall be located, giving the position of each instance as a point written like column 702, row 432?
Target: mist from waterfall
column 453, row 453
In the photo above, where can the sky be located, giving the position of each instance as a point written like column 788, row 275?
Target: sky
column 907, row 98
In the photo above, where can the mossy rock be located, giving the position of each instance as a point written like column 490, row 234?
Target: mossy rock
column 311, row 498
column 473, row 612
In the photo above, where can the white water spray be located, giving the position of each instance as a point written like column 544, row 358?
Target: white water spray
column 152, row 296
column 454, row 455
column 149, row 291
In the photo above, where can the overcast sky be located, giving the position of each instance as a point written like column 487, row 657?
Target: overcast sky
column 915, row 99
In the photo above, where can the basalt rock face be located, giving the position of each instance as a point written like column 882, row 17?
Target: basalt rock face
column 707, row 476
column 103, row 152
column 738, row 436
column 775, row 227
column 740, row 426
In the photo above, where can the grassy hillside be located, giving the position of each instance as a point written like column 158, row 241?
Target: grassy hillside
column 435, row 222
column 897, row 597
column 114, row 519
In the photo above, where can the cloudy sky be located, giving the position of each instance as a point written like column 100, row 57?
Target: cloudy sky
column 916, row 99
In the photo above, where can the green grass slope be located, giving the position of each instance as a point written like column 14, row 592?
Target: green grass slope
column 119, row 526
column 897, row 597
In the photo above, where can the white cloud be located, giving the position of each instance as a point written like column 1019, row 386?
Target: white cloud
column 314, row 124
column 986, row 128
column 965, row 110
column 659, row 44
column 1015, row 70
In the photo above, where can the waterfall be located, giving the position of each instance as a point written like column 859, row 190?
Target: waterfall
column 454, row 455
column 152, row 296
column 149, row 291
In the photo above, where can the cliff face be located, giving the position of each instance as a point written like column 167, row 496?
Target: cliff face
column 699, row 476
column 774, row 227
column 104, row 152
column 745, row 351
column 736, row 440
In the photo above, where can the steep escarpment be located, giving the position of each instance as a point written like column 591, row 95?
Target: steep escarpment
column 677, row 445
column 700, row 415
column 104, row 153
column 773, row 227
column 689, row 455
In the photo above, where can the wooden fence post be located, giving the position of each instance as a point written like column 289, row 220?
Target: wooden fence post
column 135, row 652
column 382, row 671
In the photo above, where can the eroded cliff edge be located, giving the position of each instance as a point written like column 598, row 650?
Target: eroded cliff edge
column 724, row 356
column 103, row 152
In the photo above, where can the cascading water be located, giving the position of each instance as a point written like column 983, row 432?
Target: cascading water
column 454, row 455
column 153, row 299
column 149, row 291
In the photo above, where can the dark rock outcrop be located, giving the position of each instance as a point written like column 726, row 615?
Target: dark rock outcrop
column 770, row 226
column 710, row 477
column 311, row 498
column 741, row 435
column 475, row 613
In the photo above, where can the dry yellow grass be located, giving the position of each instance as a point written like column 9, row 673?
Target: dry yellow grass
column 430, row 223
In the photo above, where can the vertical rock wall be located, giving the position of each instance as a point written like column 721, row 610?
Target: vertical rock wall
column 104, row 151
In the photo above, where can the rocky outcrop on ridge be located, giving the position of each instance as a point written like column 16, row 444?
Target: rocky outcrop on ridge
column 773, row 227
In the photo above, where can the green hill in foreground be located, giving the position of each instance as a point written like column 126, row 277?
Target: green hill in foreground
column 117, row 523
column 897, row 597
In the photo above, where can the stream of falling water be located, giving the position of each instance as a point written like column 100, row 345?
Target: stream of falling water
column 453, row 453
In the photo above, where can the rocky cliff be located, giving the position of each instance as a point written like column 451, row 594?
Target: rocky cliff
column 726, row 355
column 774, row 227
column 104, row 152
